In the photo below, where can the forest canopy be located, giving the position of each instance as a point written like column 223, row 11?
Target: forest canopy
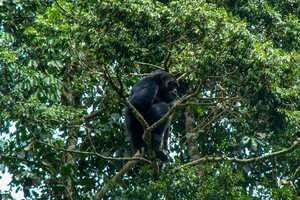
column 66, row 71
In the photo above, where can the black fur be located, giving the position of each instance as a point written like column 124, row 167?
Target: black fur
column 151, row 96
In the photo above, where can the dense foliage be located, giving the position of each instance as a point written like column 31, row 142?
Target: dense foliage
column 66, row 68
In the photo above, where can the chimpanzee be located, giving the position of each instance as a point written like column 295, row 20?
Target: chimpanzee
column 151, row 96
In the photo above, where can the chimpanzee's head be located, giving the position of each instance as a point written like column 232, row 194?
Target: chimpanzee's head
column 167, row 86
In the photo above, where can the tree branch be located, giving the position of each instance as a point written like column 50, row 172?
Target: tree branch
column 149, row 64
column 242, row 161
column 134, row 158
column 100, row 193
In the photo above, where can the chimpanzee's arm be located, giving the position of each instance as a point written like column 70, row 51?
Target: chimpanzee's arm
column 143, row 95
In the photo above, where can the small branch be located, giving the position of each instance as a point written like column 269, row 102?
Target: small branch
column 296, row 172
column 149, row 64
column 92, row 115
column 198, row 104
column 97, row 154
column 21, row 159
column 167, row 61
column 119, row 91
column 135, row 112
column 181, row 76
column 215, row 117
column 219, row 98
column 109, row 79
column 65, row 12
column 242, row 161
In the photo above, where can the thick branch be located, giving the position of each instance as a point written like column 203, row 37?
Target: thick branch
column 138, row 115
column 100, row 193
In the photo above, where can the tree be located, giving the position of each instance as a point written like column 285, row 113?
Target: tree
column 66, row 68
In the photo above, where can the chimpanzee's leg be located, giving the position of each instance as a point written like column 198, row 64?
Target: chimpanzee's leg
column 135, row 131
column 156, row 112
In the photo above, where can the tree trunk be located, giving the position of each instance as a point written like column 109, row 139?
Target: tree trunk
column 191, row 137
column 71, row 98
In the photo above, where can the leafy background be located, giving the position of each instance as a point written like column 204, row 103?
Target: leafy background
column 66, row 68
